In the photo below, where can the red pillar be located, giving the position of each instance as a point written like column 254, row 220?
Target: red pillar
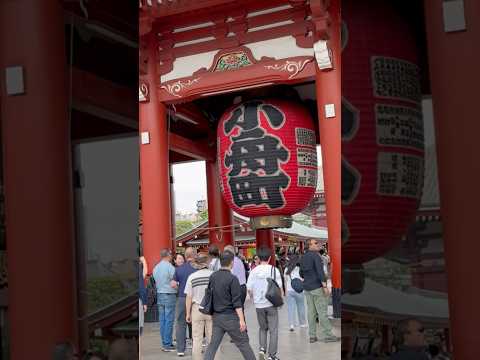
column 219, row 213
column 37, row 180
column 454, row 84
column 264, row 238
column 172, row 210
column 328, row 89
column 154, row 167
column 302, row 247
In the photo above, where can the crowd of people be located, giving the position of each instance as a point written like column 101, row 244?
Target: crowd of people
column 181, row 285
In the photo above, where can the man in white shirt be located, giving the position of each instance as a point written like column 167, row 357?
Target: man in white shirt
column 195, row 287
column 267, row 314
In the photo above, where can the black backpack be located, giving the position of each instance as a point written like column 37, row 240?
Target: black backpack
column 206, row 307
column 151, row 292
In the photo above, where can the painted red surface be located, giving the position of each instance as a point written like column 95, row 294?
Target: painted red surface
column 454, row 83
column 265, row 239
column 295, row 197
column 220, row 217
column 328, row 91
column 37, row 180
column 154, row 174
column 375, row 221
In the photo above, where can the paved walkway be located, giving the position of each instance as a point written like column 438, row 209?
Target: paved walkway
column 292, row 345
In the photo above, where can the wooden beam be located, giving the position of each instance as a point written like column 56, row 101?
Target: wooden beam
column 198, row 149
column 191, row 113
column 104, row 99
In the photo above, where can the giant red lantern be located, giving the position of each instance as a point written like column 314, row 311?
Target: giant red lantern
column 267, row 159
column 382, row 129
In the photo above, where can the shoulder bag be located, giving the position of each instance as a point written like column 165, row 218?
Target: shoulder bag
column 206, row 306
column 151, row 292
column 274, row 294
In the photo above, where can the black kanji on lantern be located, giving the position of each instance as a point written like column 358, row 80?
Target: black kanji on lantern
column 253, row 189
column 246, row 116
column 261, row 153
column 255, row 176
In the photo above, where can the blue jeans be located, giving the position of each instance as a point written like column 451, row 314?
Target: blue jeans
column 166, row 315
column 296, row 304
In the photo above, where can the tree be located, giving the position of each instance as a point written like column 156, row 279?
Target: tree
column 182, row 226
column 203, row 215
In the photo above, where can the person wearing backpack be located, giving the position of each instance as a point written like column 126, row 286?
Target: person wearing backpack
column 226, row 310
column 267, row 313
column 195, row 288
column 295, row 296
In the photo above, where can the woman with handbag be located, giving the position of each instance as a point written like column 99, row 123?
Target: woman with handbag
column 265, row 287
column 295, row 296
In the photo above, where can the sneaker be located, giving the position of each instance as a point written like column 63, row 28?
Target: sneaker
column 303, row 325
column 313, row 339
column 273, row 357
column 180, row 354
column 331, row 338
column 261, row 354
column 168, row 348
column 291, row 328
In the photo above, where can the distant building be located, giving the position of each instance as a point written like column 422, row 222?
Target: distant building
column 187, row 216
column 201, row 205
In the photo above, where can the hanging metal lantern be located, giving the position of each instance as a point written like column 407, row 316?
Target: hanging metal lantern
column 267, row 159
column 382, row 129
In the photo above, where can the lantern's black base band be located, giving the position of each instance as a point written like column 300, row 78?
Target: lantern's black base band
column 336, row 302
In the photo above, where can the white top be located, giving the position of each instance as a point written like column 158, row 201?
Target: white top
column 257, row 283
column 196, row 285
column 295, row 274
column 214, row 264
column 326, row 264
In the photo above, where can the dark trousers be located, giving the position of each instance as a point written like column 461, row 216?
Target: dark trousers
column 181, row 324
column 243, row 292
column 228, row 323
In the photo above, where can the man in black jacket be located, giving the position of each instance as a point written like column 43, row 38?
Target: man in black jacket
column 228, row 315
column 316, row 292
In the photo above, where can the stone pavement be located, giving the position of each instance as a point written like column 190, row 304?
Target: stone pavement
column 292, row 345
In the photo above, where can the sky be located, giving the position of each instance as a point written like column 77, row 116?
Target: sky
column 190, row 185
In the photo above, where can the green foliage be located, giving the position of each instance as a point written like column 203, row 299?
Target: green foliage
column 98, row 345
column 389, row 273
column 103, row 291
column 203, row 215
column 182, row 226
